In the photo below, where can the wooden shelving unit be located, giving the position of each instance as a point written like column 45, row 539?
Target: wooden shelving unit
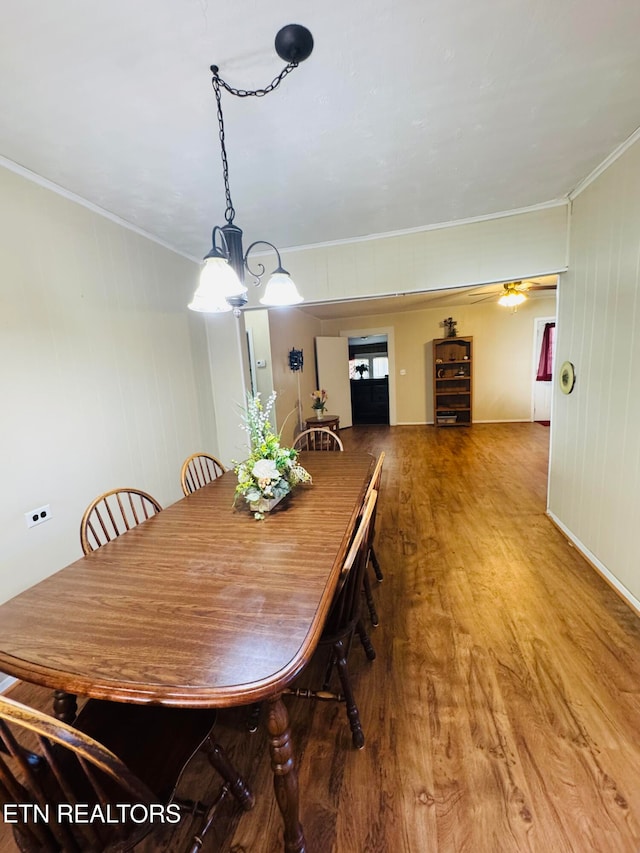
column 453, row 381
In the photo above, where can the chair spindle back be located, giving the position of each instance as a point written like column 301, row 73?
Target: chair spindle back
column 198, row 470
column 317, row 438
column 112, row 514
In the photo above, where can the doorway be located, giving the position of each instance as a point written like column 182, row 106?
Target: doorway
column 544, row 338
column 369, row 379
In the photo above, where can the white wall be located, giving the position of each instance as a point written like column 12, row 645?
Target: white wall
column 505, row 248
column 101, row 372
column 594, row 488
column 228, row 359
column 258, row 323
column 290, row 328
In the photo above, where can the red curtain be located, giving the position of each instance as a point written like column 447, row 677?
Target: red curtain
column 546, row 353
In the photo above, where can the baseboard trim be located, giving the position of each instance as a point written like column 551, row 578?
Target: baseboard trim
column 430, row 423
column 6, row 682
column 595, row 564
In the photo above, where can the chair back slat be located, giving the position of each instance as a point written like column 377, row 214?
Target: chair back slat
column 317, row 438
column 198, row 470
column 131, row 512
column 36, row 788
column 374, row 482
column 114, row 513
column 66, row 792
column 36, row 835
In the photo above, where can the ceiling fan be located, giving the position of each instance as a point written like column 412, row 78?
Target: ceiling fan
column 514, row 293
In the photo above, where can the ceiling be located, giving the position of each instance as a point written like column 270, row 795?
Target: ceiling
column 406, row 114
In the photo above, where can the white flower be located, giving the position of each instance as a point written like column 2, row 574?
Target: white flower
column 265, row 469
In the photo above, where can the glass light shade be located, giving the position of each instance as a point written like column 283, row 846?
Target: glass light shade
column 217, row 282
column 221, row 275
column 512, row 298
column 281, row 290
column 208, row 300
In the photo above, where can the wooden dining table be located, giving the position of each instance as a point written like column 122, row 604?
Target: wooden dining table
column 199, row 606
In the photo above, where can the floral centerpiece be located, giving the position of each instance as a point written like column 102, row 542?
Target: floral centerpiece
column 271, row 471
column 319, row 401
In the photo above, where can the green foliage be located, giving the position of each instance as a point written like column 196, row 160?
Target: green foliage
column 270, row 471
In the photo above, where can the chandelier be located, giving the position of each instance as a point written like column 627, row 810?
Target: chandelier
column 221, row 286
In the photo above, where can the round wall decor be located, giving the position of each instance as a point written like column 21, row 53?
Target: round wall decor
column 567, row 377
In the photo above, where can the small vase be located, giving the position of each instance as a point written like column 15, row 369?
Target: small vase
column 319, row 414
column 265, row 504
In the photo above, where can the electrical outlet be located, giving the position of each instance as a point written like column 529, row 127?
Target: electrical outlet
column 37, row 516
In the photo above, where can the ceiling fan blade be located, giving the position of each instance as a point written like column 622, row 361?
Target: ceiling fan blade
column 542, row 283
column 489, row 296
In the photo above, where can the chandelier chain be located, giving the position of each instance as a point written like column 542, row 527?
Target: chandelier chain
column 217, row 82
column 258, row 93
column 229, row 213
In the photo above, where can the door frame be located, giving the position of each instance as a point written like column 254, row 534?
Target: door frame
column 391, row 355
column 539, row 322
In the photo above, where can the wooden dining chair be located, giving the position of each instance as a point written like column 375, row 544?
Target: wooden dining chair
column 317, row 438
column 124, row 760
column 198, row 470
column 374, row 484
column 342, row 622
column 112, row 514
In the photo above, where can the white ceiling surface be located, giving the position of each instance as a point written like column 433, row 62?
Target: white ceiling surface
column 406, row 114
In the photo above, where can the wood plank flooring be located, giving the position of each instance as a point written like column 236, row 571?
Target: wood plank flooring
column 503, row 711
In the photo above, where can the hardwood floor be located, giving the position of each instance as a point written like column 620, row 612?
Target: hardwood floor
column 502, row 713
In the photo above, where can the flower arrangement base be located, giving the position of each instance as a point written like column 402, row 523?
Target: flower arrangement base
column 265, row 504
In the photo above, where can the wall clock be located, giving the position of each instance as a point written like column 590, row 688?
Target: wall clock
column 567, row 377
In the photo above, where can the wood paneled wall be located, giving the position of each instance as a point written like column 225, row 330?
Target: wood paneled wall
column 101, row 370
column 594, row 489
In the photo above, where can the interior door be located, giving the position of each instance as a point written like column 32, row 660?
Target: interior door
column 332, row 370
column 542, row 391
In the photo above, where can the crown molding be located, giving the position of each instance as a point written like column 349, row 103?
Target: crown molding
column 563, row 202
column 11, row 166
column 17, row 169
column 608, row 161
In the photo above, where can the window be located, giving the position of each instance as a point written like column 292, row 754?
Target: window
column 369, row 367
column 380, row 367
column 359, row 368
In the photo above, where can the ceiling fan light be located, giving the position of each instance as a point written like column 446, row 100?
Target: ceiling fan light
column 281, row 290
column 512, row 298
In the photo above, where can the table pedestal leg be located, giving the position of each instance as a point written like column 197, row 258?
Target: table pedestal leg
column 65, row 706
column 285, row 777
